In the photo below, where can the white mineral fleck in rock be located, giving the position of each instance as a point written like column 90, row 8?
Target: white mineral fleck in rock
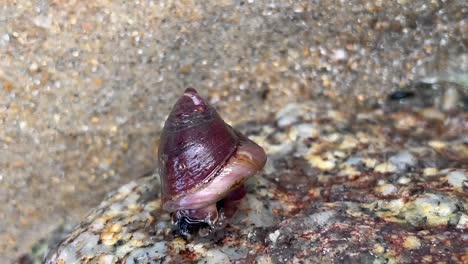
column 85, row 244
column 339, row 154
column 235, row 252
column 97, row 225
column 298, row 8
column 403, row 160
column 115, row 209
column 4, row 40
column 124, row 249
column 127, row 188
column 320, row 218
column 332, row 137
column 457, row 178
column 395, row 205
column 354, row 160
column 43, row 21
column 274, row 236
column 132, row 199
column 215, row 256
column 264, row 259
column 430, row 171
column 288, row 115
column 153, row 205
column 386, row 189
column 107, row 259
column 348, row 143
column 178, row 244
column 450, row 99
column 378, row 249
column 23, row 125
column 348, row 170
column 318, row 162
column 280, row 149
column 412, row 242
column 199, row 249
column 340, row 54
column 306, row 130
column 293, row 134
column 404, row 180
column 432, row 113
column 385, row 168
column 438, row 145
column 431, row 209
column 370, row 162
column 254, row 212
column 463, row 222
column 148, row 254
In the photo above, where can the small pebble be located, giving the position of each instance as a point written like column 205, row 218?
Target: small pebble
column 33, row 67
column 340, row 54
column 306, row 130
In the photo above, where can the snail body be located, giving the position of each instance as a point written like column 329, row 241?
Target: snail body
column 203, row 161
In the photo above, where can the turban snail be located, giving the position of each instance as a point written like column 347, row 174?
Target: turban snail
column 203, row 164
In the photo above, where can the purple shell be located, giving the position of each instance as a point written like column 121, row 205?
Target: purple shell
column 195, row 144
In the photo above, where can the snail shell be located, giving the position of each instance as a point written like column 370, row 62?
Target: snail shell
column 202, row 161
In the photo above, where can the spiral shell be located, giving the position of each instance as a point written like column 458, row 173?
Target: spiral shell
column 202, row 160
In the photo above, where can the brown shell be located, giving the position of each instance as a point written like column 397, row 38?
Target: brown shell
column 194, row 146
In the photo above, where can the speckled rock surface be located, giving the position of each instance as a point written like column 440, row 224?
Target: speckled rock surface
column 85, row 85
column 334, row 191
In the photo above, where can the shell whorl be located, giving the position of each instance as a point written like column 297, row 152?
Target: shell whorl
column 195, row 144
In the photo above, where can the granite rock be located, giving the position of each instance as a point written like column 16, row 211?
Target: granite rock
column 301, row 211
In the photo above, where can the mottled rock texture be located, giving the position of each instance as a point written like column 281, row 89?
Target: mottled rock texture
column 329, row 194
